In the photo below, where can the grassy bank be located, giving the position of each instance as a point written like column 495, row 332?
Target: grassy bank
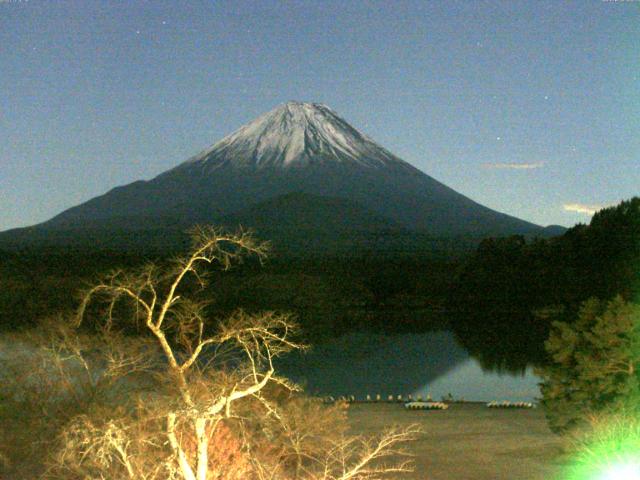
column 470, row 441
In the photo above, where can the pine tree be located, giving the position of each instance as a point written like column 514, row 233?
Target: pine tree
column 594, row 363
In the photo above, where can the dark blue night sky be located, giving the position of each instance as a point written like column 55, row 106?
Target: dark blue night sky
column 531, row 108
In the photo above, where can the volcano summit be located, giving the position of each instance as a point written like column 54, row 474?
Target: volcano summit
column 299, row 167
column 296, row 135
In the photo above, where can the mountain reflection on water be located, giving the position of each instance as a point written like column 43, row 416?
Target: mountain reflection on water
column 432, row 363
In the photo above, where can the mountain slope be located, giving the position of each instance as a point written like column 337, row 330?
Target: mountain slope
column 300, row 222
column 297, row 147
column 306, row 212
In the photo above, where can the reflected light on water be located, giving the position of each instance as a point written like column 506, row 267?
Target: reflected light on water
column 432, row 363
column 470, row 382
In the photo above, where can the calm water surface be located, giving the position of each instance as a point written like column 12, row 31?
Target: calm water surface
column 432, row 363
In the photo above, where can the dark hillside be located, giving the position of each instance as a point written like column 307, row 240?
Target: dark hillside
column 513, row 288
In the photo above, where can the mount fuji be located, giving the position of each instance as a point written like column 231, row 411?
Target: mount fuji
column 299, row 168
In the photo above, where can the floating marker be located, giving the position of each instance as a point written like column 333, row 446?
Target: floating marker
column 507, row 404
column 426, row 406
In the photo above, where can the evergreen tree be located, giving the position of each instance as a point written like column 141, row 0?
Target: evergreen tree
column 594, row 363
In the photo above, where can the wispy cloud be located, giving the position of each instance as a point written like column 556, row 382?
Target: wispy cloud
column 582, row 208
column 515, row 166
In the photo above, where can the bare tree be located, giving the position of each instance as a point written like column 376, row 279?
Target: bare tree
column 359, row 458
column 216, row 387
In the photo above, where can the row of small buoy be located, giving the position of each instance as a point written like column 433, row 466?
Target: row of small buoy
column 506, row 404
column 419, row 404
column 426, row 406
column 378, row 399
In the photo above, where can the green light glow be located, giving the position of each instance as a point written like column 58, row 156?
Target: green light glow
column 625, row 471
column 609, row 450
column 607, row 469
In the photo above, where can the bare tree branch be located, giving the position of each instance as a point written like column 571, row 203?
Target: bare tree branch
column 211, row 377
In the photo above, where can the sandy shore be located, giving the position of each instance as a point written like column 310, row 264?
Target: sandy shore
column 470, row 441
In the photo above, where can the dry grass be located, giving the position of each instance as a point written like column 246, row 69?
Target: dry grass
column 470, row 441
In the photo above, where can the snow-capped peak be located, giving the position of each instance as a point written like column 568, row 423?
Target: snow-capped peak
column 295, row 134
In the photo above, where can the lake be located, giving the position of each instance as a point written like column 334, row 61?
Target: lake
column 431, row 363
column 424, row 364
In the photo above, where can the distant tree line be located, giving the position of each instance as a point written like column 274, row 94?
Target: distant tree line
column 500, row 300
column 329, row 294
column 511, row 290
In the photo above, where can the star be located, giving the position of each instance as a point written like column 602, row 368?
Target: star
column 546, row 97
column 164, row 22
column 137, row 32
column 498, row 138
